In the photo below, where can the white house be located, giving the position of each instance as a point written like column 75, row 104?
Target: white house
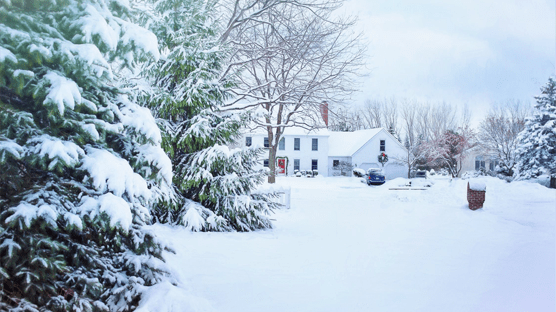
column 299, row 149
column 323, row 150
column 361, row 148
column 478, row 158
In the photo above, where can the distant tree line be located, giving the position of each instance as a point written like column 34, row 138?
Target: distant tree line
column 439, row 135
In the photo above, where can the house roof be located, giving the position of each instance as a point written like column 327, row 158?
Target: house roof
column 347, row 143
column 295, row 131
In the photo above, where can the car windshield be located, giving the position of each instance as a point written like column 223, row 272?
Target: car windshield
column 421, row 174
column 375, row 171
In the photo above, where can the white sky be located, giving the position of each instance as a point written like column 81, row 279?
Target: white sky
column 473, row 51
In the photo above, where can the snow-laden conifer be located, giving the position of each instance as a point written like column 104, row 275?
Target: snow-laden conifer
column 215, row 182
column 536, row 153
column 81, row 161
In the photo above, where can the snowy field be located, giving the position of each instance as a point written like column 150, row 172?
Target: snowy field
column 345, row 246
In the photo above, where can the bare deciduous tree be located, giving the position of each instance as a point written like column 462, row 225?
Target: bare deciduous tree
column 499, row 130
column 409, row 113
column 450, row 149
column 246, row 13
column 294, row 59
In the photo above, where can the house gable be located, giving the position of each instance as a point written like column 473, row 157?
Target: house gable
column 376, row 135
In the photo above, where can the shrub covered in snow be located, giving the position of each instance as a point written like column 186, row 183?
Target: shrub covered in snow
column 358, row 172
column 344, row 167
column 81, row 161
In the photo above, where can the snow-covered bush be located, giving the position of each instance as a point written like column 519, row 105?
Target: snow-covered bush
column 214, row 183
column 358, row 172
column 81, row 161
column 344, row 167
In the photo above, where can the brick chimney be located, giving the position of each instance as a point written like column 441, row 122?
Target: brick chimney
column 324, row 112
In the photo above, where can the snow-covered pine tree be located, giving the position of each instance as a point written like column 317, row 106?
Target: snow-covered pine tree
column 216, row 183
column 81, row 163
column 536, row 153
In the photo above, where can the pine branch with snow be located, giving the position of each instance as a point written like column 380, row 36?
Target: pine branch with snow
column 536, row 153
column 215, row 183
column 82, row 162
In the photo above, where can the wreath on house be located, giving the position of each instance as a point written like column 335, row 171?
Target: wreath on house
column 382, row 158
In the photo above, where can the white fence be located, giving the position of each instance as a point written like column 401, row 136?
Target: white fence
column 284, row 194
column 284, row 197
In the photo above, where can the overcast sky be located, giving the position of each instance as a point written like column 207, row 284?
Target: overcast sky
column 472, row 51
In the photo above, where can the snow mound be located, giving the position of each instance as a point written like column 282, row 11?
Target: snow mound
column 165, row 297
column 477, row 185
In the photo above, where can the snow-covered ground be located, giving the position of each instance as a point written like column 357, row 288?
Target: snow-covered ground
column 346, row 246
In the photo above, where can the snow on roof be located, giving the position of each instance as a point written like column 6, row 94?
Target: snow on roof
column 347, row 143
column 293, row 131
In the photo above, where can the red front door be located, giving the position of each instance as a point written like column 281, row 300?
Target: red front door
column 281, row 166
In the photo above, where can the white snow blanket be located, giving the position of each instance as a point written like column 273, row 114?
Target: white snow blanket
column 346, row 246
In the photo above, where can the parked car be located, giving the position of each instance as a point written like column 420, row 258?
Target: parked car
column 421, row 174
column 375, row 176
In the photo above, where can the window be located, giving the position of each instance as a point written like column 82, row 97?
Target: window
column 315, row 164
column 248, row 141
column 266, row 142
column 335, row 163
column 479, row 163
column 315, row 144
column 493, row 164
column 296, row 144
column 296, row 164
column 382, row 145
column 265, row 163
column 282, row 144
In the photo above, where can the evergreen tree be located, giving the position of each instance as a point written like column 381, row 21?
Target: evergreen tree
column 215, row 183
column 536, row 153
column 81, row 162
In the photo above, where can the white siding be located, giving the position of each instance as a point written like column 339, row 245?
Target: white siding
column 305, row 153
column 393, row 170
column 367, row 156
column 331, row 170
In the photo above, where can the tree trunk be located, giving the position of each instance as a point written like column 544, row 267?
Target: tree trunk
column 553, row 182
column 272, row 162
column 408, row 165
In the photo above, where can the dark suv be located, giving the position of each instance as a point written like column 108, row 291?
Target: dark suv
column 375, row 177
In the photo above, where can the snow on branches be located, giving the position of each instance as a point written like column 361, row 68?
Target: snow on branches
column 82, row 163
column 450, row 149
column 536, row 153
